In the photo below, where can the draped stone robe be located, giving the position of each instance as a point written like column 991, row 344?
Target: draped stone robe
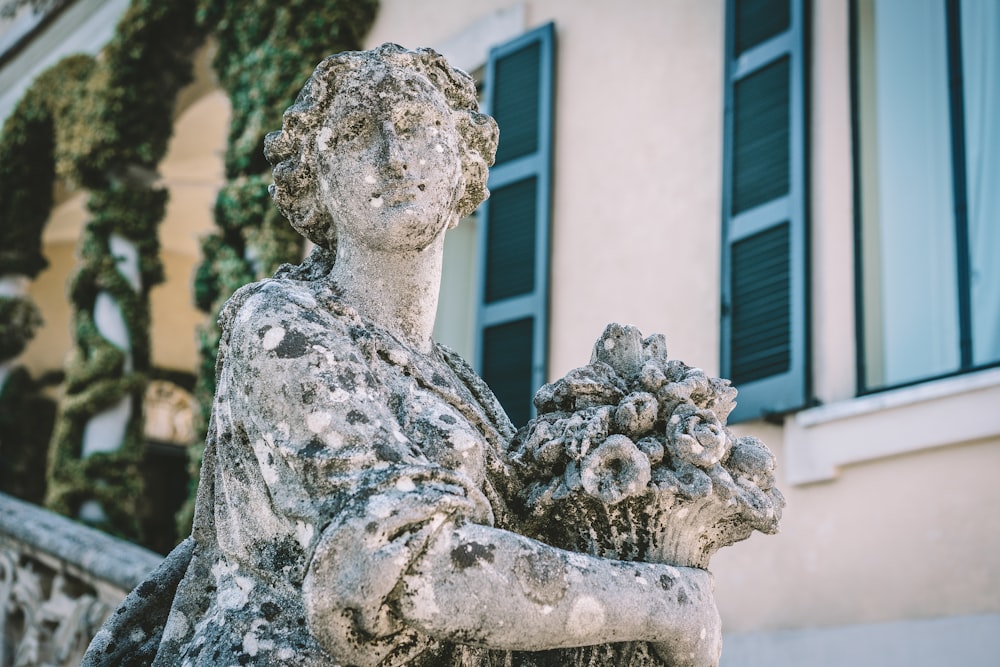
column 335, row 452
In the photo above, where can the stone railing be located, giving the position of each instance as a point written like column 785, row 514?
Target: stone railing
column 59, row 580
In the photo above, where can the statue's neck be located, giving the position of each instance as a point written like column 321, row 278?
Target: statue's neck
column 398, row 290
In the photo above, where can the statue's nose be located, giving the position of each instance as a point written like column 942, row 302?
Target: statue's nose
column 394, row 152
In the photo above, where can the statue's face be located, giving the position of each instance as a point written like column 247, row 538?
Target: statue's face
column 389, row 163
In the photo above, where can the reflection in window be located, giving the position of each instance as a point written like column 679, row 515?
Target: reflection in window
column 928, row 84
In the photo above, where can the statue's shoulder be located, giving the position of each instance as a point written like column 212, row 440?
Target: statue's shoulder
column 290, row 301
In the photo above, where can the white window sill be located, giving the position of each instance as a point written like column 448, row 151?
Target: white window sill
column 955, row 410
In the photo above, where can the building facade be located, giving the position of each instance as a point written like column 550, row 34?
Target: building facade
column 800, row 194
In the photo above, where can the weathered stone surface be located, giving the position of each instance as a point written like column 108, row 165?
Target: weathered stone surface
column 364, row 500
column 59, row 581
column 666, row 478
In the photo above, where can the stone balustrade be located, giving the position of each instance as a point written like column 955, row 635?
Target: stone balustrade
column 59, row 580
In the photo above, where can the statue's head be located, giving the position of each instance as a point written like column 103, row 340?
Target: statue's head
column 379, row 137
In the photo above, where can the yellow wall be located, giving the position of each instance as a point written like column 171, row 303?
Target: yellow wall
column 48, row 349
column 192, row 171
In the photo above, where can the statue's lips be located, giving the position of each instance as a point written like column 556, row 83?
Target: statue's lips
column 400, row 193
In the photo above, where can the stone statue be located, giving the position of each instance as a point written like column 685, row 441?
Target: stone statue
column 364, row 499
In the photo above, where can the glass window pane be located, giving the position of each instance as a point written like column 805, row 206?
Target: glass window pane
column 980, row 27
column 908, row 224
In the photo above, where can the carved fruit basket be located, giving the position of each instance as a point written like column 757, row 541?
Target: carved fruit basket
column 630, row 458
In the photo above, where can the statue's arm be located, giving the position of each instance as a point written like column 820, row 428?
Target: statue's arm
column 481, row 585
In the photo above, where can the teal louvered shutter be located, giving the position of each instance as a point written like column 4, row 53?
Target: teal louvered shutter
column 765, row 341
column 512, row 314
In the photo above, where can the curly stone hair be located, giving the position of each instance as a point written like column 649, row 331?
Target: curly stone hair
column 292, row 151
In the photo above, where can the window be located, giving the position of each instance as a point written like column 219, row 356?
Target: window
column 764, row 260
column 927, row 169
column 512, row 317
column 500, row 320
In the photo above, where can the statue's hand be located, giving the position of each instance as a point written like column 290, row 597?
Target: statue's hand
column 696, row 642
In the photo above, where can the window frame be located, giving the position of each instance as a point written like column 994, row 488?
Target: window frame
column 537, row 165
column 774, row 395
column 960, row 219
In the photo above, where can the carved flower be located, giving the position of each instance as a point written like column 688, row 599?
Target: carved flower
column 634, row 424
column 750, row 458
column 585, row 429
column 683, row 479
column 585, row 387
column 696, row 436
column 636, row 414
column 615, row 471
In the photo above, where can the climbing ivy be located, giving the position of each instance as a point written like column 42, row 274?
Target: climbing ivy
column 38, row 142
column 103, row 124
column 36, row 147
column 124, row 121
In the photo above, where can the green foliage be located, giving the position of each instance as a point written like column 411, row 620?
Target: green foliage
column 36, row 146
column 19, row 319
column 266, row 52
column 128, row 104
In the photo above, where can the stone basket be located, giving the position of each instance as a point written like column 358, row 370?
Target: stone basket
column 629, row 458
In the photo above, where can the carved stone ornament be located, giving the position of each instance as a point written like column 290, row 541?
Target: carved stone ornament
column 364, row 499
column 169, row 413
column 59, row 581
column 46, row 617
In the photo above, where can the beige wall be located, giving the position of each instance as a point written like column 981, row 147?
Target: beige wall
column 637, row 173
column 891, row 501
column 912, row 536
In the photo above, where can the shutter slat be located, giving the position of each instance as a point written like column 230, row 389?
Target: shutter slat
column 759, row 20
column 761, row 169
column 516, row 102
column 510, row 249
column 507, row 355
column 761, row 317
